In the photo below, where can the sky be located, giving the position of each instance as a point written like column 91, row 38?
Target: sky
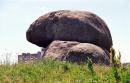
column 17, row 15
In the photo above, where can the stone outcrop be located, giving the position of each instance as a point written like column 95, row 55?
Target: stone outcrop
column 65, row 25
column 76, row 52
column 71, row 35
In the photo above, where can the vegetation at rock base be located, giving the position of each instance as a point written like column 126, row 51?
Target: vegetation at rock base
column 50, row 71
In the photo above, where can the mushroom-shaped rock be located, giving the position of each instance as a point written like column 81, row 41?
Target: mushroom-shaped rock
column 65, row 25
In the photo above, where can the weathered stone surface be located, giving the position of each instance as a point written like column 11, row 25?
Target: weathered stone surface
column 80, row 26
column 59, row 49
column 83, row 51
column 76, row 52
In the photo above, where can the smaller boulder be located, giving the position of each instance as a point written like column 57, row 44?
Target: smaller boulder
column 83, row 51
column 76, row 52
column 59, row 49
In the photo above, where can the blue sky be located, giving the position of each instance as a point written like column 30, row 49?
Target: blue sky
column 17, row 15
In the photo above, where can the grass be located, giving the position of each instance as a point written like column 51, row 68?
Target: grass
column 49, row 71
column 54, row 71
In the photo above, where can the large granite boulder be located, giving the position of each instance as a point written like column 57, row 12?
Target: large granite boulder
column 76, row 52
column 65, row 25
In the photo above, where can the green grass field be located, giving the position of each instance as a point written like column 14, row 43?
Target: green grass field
column 49, row 71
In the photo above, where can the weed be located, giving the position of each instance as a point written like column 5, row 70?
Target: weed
column 48, row 71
